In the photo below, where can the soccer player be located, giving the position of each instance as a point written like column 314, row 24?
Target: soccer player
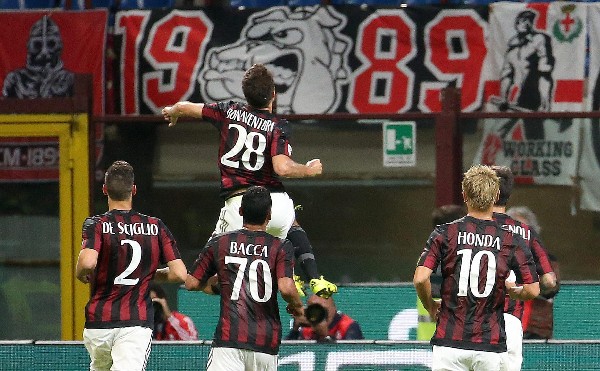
column 120, row 254
column 255, row 149
column 250, row 266
column 476, row 256
column 548, row 285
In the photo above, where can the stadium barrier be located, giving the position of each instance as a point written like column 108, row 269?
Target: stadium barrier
column 388, row 311
column 298, row 356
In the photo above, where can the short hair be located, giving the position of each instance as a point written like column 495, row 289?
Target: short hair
column 158, row 290
column 507, row 183
column 527, row 215
column 447, row 213
column 480, row 187
column 258, row 86
column 526, row 14
column 256, row 205
column 119, row 180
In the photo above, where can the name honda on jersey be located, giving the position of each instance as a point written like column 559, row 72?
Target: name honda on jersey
column 478, row 240
column 250, row 119
column 145, row 229
column 248, row 249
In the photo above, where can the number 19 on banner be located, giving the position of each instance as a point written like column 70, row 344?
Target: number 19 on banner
column 399, row 144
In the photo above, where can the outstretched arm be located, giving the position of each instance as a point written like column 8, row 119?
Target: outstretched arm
column 182, row 109
column 286, row 167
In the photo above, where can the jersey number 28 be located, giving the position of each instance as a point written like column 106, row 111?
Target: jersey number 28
column 246, row 143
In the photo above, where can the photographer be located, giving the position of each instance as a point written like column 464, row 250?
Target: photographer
column 324, row 323
column 169, row 324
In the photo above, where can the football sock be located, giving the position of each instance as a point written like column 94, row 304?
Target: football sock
column 303, row 251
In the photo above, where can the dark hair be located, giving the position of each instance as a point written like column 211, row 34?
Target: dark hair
column 507, row 183
column 119, row 181
column 258, row 86
column 447, row 213
column 256, row 205
column 158, row 290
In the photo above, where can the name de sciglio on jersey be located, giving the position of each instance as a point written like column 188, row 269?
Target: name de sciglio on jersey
column 144, row 229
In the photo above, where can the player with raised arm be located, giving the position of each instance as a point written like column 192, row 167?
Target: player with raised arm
column 121, row 252
column 548, row 283
column 255, row 149
column 476, row 255
column 250, row 265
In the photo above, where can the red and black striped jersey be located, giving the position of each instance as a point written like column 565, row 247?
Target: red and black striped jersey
column 476, row 257
column 539, row 252
column 249, row 138
column 130, row 246
column 248, row 265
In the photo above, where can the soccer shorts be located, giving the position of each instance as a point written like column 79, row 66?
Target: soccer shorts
column 118, row 349
column 233, row 359
column 282, row 215
column 514, row 342
column 455, row 359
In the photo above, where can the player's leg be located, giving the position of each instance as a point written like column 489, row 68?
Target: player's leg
column 260, row 361
column 514, row 342
column 131, row 348
column 230, row 218
column 488, row 361
column 305, row 258
column 282, row 214
column 450, row 359
column 98, row 343
column 225, row 359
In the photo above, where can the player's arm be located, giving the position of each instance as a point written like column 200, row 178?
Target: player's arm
column 422, row 283
column 548, row 280
column 175, row 271
column 182, row 109
column 210, row 286
column 285, row 167
column 289, row 293
column 86, row 264
column 523, row 265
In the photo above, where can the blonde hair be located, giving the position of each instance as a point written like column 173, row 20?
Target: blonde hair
column 480, row 187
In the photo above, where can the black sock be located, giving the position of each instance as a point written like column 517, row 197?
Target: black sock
column 303, row 251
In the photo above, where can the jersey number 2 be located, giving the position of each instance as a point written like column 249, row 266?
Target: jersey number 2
column 252, row 277
column 136, row 257
column 249, row 143
column 469, row 273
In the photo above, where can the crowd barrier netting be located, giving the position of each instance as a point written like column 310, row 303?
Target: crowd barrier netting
column 300, row 356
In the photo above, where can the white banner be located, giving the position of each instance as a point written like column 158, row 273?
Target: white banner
column 536, row 62
column 589, row 167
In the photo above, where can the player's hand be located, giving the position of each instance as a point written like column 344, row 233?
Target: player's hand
column 314, row 167
column 435, row 309
column 161, row 301
column 514, row 291
column 170, row 115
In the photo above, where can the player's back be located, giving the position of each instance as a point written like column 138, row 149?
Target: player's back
column 249, row 138
column 475, row 255
column 130, row 246
column 248, row 264
column 533, row 242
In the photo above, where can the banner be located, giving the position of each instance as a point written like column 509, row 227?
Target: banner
column 40, row 53
column 324, row 59
column 589, row 167
column 537, row 55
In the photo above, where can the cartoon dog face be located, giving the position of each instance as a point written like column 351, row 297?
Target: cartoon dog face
column 304, row 49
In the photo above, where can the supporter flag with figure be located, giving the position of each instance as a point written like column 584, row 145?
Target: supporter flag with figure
column 536, row 63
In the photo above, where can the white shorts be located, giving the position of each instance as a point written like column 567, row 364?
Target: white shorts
column 514, row 342
column 455, row 359
column 118, row 349
column 233, row 359
column 282, row 215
